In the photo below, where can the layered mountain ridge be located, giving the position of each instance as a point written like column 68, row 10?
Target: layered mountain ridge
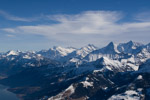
column 117, row 71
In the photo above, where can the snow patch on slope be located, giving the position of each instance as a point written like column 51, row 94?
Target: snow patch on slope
column 139, row 77
column 128, row 95
column 70, row 90
column 86, row 84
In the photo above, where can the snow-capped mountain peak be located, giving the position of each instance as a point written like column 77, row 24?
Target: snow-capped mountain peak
column 79, row 54
column 62, row 51
column 112, row 47
column 129, row 47
column 109, row 51
column 85, row 50
column 12, row 52
column 56, row 52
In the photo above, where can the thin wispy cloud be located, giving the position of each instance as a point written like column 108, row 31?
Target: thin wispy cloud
column 90, row 22
column 16, row 18
column 87, row 27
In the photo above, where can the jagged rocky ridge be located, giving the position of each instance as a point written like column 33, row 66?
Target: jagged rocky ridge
column 115, row 72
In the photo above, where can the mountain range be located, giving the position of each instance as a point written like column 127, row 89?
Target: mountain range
column 114, row 72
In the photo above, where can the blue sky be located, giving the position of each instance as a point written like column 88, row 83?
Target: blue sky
column 41, row 24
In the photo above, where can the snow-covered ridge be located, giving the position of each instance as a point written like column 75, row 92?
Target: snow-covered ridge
column 56, row 52
column 12, row 52
column 109, row 51
column 85, row 50
column 116, row 52
column 115, row 65
column 81, row 53
column 63, row 51
column 129, row 47
column 120, row 51
column 70, row 90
